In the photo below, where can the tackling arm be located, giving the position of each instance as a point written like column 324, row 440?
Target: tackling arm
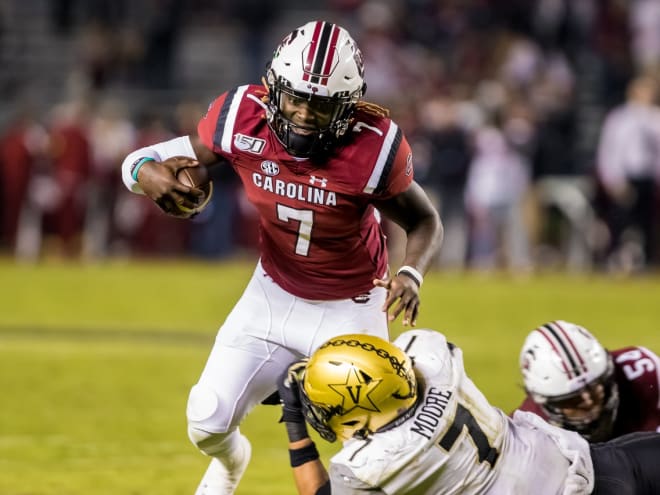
column 311, row 478
column 309, row 472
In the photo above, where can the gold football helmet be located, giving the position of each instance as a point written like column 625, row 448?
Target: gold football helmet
column 354, row 385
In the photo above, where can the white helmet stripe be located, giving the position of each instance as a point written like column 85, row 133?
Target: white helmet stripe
column 554, row 330
column 553, row 341
column 319, row 57
column 583, row 362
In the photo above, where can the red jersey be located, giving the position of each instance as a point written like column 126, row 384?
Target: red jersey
column 320, row 237
column 637, row 374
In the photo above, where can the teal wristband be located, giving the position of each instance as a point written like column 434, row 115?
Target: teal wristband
column 137, row 164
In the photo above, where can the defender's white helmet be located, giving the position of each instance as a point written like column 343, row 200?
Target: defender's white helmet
column 319, row 62
column 559, row 361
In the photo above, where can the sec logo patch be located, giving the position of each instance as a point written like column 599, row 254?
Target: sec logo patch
column 270, row 168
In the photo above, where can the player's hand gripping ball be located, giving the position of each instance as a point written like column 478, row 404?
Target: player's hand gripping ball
column 197, row 177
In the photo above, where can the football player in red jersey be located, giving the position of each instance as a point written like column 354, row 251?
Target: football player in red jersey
column 572, row 381
column 321, row 166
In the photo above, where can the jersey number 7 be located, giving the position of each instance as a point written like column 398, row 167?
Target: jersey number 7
column 306, row 221
column 464, row 418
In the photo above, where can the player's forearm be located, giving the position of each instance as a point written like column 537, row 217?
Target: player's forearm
column 187, row 146
column 180, row 146
column 423, row 241
column 309, row 474
column 413, row 211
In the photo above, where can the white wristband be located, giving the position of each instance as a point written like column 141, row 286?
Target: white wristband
column 129, row 163
column 412, row 273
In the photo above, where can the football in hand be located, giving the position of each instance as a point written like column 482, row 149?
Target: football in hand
column 197, row 177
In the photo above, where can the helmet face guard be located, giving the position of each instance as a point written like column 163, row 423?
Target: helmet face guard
column 561, row 363
column 321, row 64
column 318, row 417
column 595, row 426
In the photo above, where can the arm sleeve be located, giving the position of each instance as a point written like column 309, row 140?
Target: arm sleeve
column 180, row 146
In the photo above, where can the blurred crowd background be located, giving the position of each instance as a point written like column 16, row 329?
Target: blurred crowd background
column 535, row 124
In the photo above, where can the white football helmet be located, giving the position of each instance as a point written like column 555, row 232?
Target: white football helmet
column 321, row 63
column 559, row 361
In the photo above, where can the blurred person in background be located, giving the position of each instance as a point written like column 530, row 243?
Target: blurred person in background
column 393, row 66
column 112, row 134
column 71, row 157
column 23, row 149
column 573, row 382
column 445, row 148
column 628, row 166
column 412, row 422
column 497, row 183
column 645, row 34
column 321, row 166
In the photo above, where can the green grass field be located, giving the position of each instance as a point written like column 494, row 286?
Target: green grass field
column 96, row 363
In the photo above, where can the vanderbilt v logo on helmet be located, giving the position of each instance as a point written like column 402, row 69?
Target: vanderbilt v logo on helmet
column 356, row 390
column 356, row 384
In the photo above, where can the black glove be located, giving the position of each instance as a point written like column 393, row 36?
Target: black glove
column 288, row 387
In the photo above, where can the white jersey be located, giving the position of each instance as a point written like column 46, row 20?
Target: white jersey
column 456, row 442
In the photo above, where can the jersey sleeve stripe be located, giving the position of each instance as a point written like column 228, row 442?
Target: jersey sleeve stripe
column 224, row 129
column 385, row 160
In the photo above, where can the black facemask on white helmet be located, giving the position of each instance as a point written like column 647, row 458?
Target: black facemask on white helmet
column 320, row 63
column 561, row 361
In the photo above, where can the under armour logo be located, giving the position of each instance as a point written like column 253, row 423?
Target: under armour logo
column 322, row 181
